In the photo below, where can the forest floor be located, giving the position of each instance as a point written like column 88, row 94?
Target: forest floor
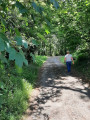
column 59, row 96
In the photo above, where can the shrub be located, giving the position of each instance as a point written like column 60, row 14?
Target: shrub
column 16, row 85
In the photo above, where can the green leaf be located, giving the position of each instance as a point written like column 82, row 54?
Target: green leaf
column 37, row 8
column 7, row 47
column 21, row 8
column 24, row 43
column 1, row 101
column 33, row 57
column 17, row 32
column 3, row 22
column 19, row 59
column 2, row 35
column 41, row 36
column 2, row 44
column 40, row 9
column 2, row 85
column 1, row 1
column 18, row 39
column 48, row 23
column 2, row 57
column 55, row 3
column 34, row 42
column 26, row 23
column 47, row 31
column 25, row 61
column 12, row 53
column 52, row 1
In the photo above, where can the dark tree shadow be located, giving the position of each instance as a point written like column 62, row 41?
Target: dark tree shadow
column 51, row 88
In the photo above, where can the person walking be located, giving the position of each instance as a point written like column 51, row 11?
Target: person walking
column 68, row 59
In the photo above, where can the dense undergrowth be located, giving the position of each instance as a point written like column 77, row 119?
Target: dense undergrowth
column 16, row 85
column 82, row 63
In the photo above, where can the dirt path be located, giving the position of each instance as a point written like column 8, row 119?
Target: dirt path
column 60, row 97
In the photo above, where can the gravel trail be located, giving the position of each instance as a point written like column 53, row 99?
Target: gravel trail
column 60, row 96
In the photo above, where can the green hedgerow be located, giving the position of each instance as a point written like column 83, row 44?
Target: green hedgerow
column 16, row 85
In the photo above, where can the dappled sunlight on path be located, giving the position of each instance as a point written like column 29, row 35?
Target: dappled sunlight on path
column 60, row 96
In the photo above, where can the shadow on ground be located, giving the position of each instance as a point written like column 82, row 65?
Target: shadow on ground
column 51, row 86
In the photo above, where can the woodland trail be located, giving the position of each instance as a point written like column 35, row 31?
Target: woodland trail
column 60, row 96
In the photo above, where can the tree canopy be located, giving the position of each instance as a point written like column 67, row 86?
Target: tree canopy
column 53, row 26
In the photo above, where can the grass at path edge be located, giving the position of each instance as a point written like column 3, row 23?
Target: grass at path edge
column 16, row 84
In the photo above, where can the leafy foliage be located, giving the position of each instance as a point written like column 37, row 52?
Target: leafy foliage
column 15, row 88
column 55, row 3
column 21, row 8
column 22, row 22
column 51, row 26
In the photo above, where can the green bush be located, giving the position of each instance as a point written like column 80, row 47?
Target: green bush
column 16, row 85
column 82, row 63
column 15, row 94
